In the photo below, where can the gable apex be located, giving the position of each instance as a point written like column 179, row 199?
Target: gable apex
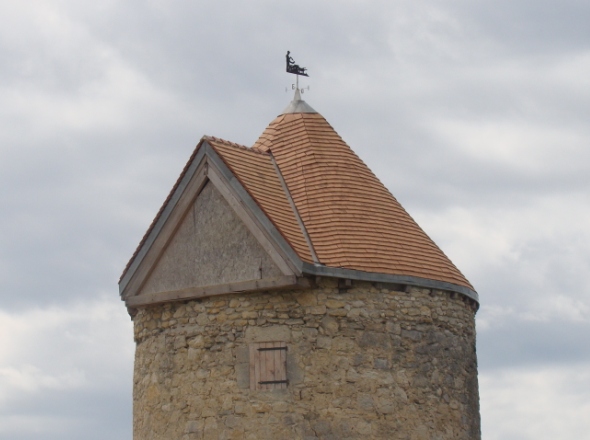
column 206, row 168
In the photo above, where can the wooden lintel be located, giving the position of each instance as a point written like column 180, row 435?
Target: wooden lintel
column 284, row 282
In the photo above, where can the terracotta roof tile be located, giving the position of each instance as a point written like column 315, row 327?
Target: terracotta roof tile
column 255, row 171
column 352, row 220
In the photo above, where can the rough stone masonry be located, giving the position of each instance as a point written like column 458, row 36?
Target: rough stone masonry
column 364, row 361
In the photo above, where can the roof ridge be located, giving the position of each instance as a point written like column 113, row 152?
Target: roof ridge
column 240, row 177
column 294, row 116
column 300, row 222
column 234, row 144
column 301, row 118
column 263, row 143
column 339, row 240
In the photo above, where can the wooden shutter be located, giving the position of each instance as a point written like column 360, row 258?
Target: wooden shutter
column 268, row 366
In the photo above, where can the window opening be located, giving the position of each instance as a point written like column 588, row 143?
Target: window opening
column 268, row 366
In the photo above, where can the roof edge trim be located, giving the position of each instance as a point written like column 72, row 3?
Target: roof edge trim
column 337, row 272
column 157, row 228
column 314, row 256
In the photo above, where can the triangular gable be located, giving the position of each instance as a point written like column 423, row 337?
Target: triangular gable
column 207, row 183
column 211, row 246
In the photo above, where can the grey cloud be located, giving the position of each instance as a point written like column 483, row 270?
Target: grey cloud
column 532, row 26
column 100, row 113
column 57, row 415
column 520, row 343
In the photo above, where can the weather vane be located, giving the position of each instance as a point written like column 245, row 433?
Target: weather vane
column 296, row 70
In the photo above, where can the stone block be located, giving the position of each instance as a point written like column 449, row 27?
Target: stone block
column 194, row 426
column 412, row 334
column 179, row 342
column 280, row 333
column 381, row 364
column 318, row 310
column 324, row 342
column 330, row 325
column 194, row 353
column 249, row 315
column 306, row 299
column 335, row 304
column 374, row 340
column 337, row 312
column 308, row 333
column 243, row 375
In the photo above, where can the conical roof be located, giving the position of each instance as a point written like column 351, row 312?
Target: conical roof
column 351, row 218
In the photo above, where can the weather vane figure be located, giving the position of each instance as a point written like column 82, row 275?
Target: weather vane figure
column 294, row 68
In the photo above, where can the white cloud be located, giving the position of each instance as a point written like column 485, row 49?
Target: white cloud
column 542, row 246
column 80, row 347
column 537, row 403
column 30, row 378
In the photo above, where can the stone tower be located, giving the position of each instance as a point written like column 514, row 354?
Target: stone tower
column 282, row 292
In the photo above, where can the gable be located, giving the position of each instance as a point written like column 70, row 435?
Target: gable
column 209, row 238
column 211, row 246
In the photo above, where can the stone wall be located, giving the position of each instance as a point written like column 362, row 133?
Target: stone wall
column 363, row 362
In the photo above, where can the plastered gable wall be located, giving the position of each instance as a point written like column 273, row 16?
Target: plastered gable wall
column 211, row 246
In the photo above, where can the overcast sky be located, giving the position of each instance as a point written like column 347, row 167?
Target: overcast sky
column 474, row 114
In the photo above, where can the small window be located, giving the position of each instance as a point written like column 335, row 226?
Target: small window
column 268, row 366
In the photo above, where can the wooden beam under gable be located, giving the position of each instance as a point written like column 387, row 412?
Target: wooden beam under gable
column 278, row 283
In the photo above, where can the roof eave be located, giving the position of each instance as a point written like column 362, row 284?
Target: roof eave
column 337, row 272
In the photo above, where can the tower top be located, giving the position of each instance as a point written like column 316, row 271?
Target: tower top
column 298, row 105
column 325, row 211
